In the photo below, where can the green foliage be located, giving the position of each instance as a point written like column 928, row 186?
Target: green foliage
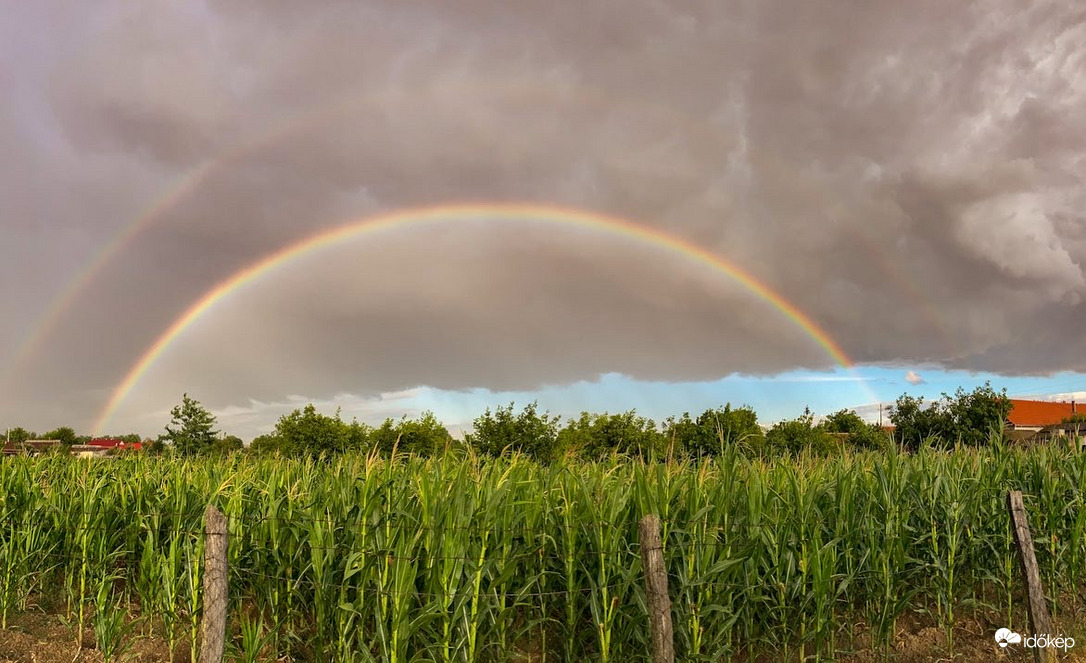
column 969, row 417
column 1076, row 418
column 112, row 629
column 306, row 432
column 64, row 434
column 425, row 436
column 914, row 421
column 860, row 434
column 266, row 444
column 800, row 434
column 155, row 447
column 228, row 444
column 482, row 559
column 528, row 432
column 192, row 428
column 20, row 434
column 596, row 436
column 974, row 416
column 713, row 430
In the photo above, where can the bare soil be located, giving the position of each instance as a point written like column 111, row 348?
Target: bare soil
column 974, row 640
column 39, row 637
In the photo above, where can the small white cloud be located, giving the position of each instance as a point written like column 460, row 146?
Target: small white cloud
column 912, row 377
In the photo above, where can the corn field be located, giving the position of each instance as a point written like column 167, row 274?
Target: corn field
column 465, row 559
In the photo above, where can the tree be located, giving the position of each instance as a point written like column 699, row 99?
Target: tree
column 155, row 447
column 64, row 434
column 795, row 435
column 860, row 434
column 266, row 444
column 425, row 436
column 306, row 432
column 192, row 430
column 597, row 436
column 914, row 422
column 227, row 444
column 528, row 432
column 974, row 416
column 714, row 429
column 968, row 417
column 20, row 434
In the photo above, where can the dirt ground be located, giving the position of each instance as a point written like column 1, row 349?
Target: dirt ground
column 974, row 640
column 38, row 637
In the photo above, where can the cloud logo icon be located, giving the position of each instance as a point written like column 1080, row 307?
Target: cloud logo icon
column 1005, row 636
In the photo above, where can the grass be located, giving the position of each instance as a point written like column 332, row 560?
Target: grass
column 466, row 559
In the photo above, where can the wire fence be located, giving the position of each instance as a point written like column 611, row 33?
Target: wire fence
column 302, row 563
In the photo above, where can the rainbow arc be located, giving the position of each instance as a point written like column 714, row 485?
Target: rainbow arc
column 445, row 214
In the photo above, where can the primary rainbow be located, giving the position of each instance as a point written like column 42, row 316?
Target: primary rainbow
column 523, row 212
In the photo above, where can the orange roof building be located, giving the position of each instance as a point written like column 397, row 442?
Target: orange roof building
column 1035, row 415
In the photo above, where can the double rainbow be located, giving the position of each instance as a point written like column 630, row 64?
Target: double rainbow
column 443, row 214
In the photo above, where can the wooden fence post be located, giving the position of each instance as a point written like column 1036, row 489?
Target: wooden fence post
column 659, row 603
column 213, row 623
column 1039, row 620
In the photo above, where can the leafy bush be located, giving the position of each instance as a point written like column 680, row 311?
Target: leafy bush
column 966, row 417
column 713, row 430
column 796, row 435
column 859, row 434
column 596, row 436
column 424, row 437
column 307, row 432
column 227, row 444
column 528, row 432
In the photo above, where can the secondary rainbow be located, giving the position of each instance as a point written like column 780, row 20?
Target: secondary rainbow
column 508, row 212
column 194, row 178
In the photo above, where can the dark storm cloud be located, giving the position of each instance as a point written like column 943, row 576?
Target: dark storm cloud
column 446, row 309
column 910, row 174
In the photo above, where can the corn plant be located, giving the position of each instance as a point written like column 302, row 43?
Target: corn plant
column 111, row 625
column 463, row 558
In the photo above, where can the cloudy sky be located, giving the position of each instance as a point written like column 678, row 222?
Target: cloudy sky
column 908, row 175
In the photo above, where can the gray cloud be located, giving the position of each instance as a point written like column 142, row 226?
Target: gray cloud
column 910, row 174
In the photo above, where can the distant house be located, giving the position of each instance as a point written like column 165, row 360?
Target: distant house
column 30, row 447
column 1073, row 433
column 101, row 447
column 1042, row 421
column 89, row 451
column 114, row 443
column 97, row 447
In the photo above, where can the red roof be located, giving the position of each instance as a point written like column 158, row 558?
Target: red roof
column 113, row 443
column 1039, row 413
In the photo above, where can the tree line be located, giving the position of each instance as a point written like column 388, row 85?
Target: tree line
column 66, row 435
column 962, row 418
